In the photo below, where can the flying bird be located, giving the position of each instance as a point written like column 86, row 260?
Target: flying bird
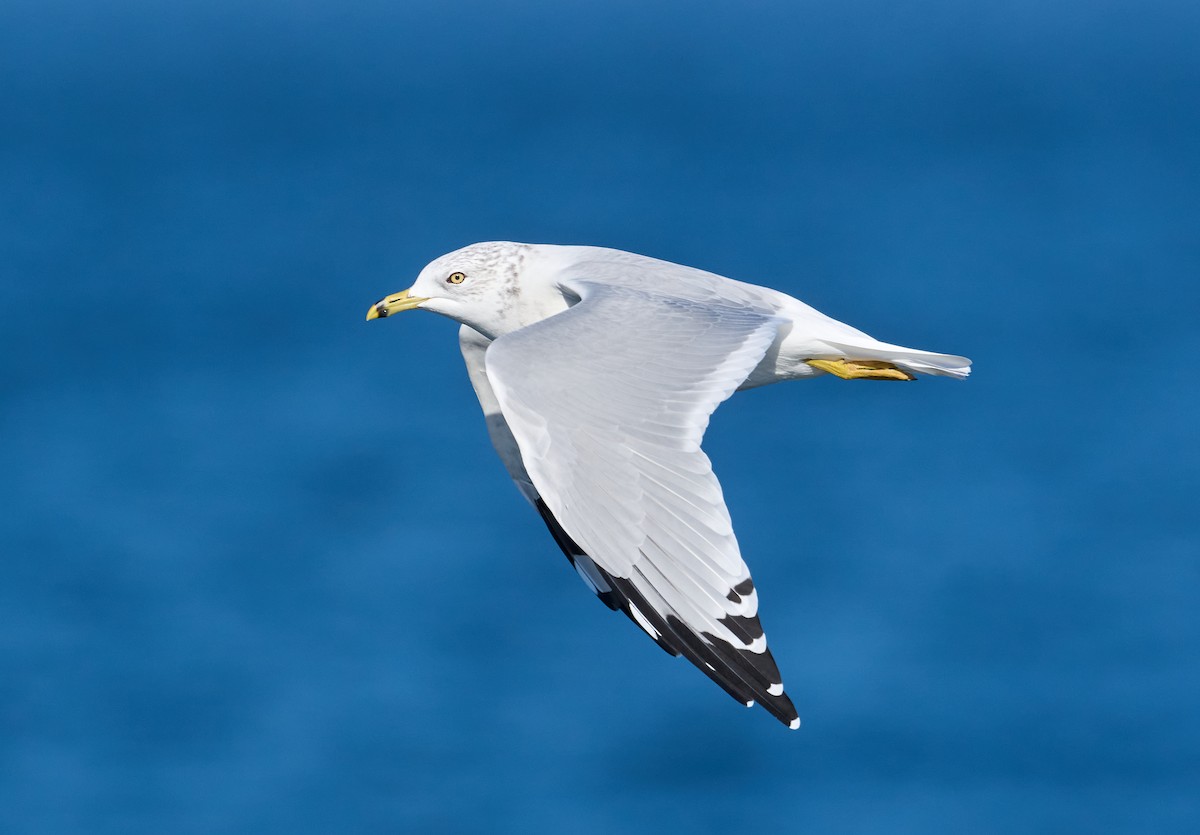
column 597, row 371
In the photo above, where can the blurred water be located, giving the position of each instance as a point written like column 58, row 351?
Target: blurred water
column 261, row 572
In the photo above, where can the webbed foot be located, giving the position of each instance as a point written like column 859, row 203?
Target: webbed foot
column 862, row 369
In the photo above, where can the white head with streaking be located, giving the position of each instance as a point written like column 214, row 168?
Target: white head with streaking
column 597, row 371
column 493, row 287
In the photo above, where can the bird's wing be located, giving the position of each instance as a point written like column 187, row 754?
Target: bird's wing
column 474, row 345
column 608, row 402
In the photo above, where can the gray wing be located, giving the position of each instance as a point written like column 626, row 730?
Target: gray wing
column 608, row 402
column 474, row 345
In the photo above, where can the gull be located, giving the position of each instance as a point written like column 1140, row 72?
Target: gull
column 597, row 371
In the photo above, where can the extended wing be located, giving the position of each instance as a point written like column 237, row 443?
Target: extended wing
column 474, row 345
column 607, row 403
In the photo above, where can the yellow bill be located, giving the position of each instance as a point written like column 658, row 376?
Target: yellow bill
column 395, row 303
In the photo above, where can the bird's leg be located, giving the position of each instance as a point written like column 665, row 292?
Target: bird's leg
column 862, row 369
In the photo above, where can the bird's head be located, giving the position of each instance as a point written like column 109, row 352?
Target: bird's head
column 476, row 285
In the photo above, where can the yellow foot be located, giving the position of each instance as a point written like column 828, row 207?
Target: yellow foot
column 862, row 369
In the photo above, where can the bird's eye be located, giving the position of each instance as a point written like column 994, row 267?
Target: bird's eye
column 456, row 278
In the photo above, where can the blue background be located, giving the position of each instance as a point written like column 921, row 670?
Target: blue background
column 261, row 571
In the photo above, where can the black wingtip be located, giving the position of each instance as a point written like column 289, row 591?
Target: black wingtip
column 746, row 676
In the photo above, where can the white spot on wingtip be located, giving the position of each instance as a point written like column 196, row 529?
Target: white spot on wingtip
column 750, row 703
column 643, row 622
column 775, row 689
column 795, row 723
